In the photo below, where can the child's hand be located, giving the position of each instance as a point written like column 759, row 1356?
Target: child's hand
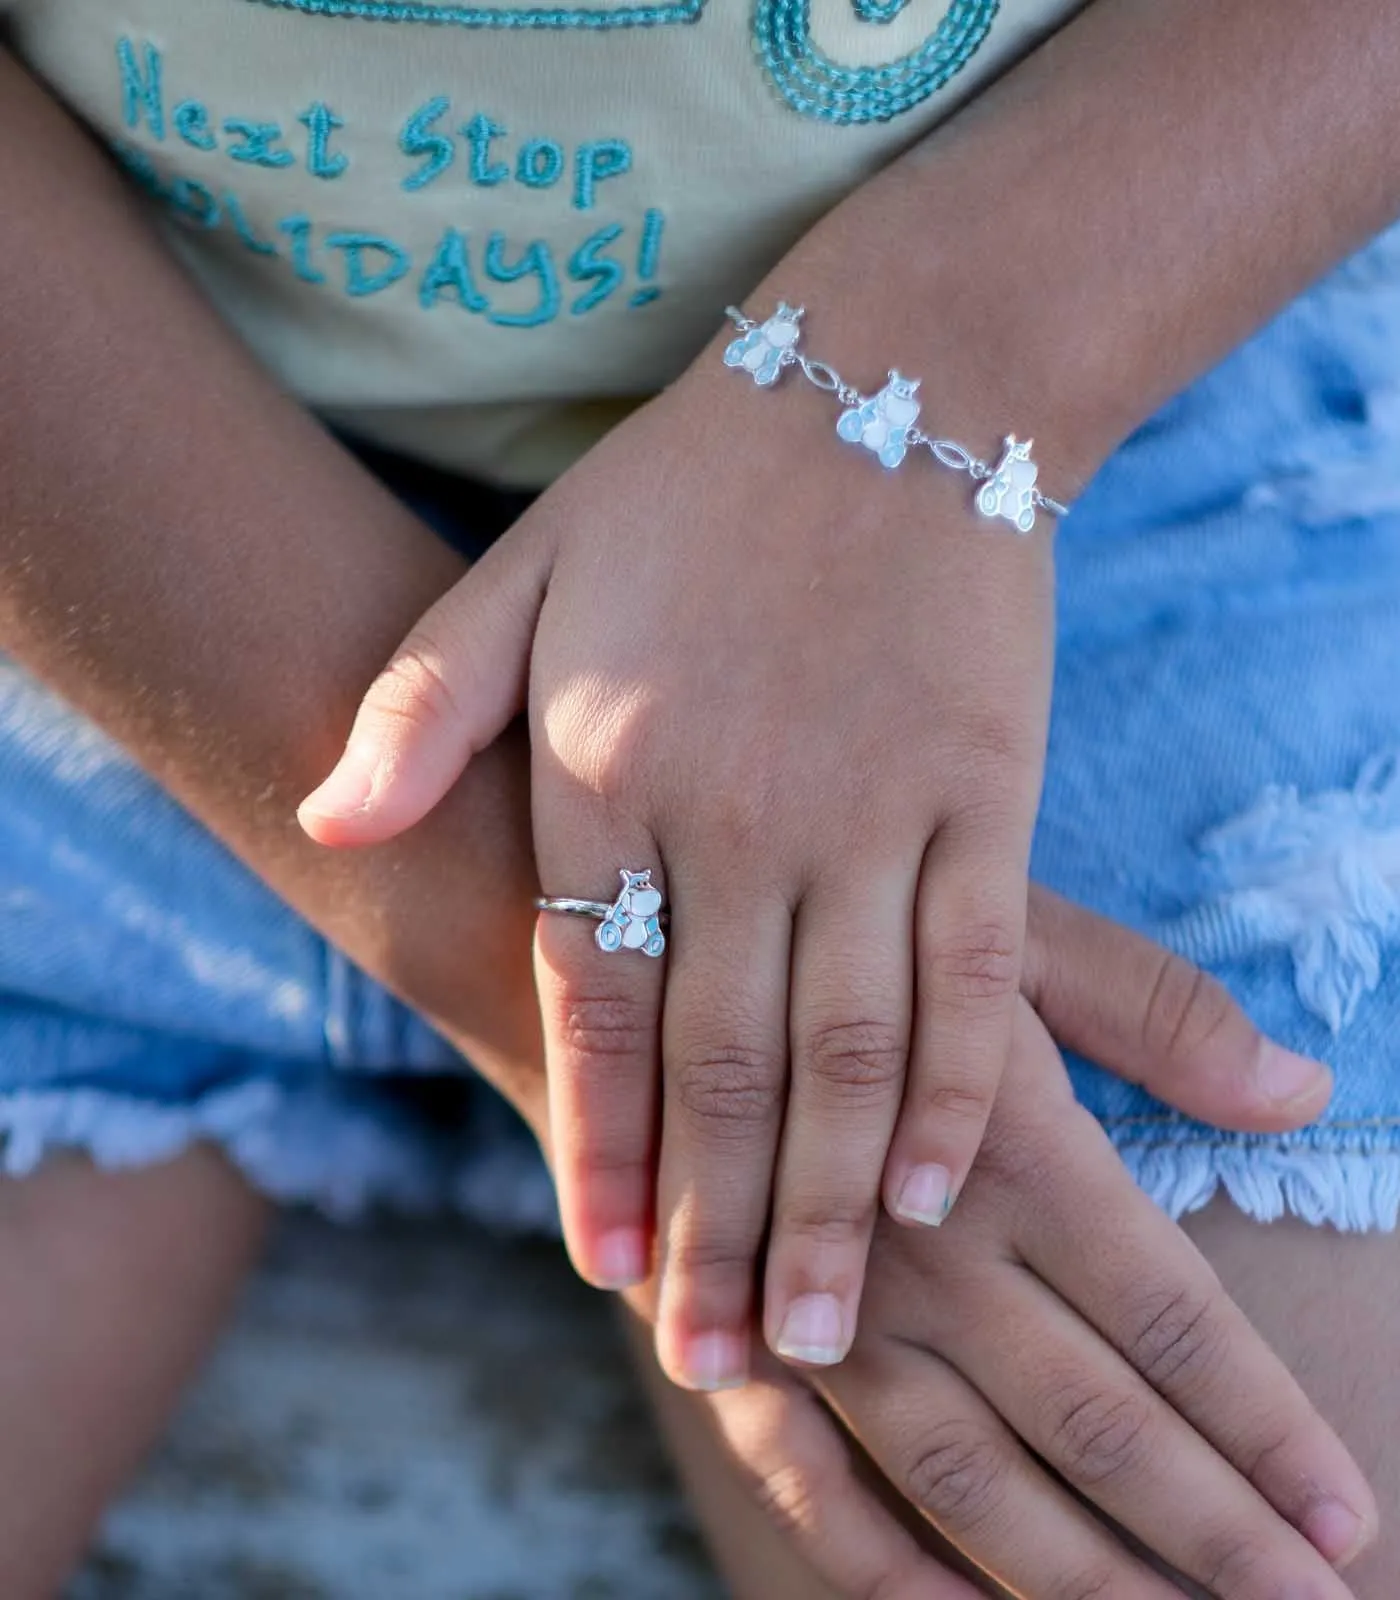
column 1066, row 1324
column 810, row 696
column 1066, row 1316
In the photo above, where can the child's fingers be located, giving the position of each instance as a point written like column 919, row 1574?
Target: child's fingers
column 812, row 1481
column 1154, row 1019
column 601, row 1013
column 970, row 923
column 852, row 998
column 1152, row 1297
column 726, row 1052
column 449, row 690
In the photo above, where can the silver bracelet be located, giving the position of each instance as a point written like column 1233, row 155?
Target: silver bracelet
column 884, row 423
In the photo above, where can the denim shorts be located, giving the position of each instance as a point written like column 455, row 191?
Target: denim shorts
column 1223, row 773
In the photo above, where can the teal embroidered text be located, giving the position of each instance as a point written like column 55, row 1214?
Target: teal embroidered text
column 363, row 263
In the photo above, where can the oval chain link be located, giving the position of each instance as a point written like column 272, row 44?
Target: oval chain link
column 947, row 452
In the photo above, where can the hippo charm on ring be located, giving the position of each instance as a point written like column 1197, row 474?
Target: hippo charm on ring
column 633, row 921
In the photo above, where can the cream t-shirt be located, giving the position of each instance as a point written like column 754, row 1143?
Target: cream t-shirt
column 477, row 233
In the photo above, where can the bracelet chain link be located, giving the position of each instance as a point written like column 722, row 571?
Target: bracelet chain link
column 884, row 423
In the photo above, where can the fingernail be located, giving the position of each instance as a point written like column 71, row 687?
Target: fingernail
column 926, row 1196
column 620, row 1260
column 1286, row 1077
column 814, row 1331
column 347, row 791
column 1336, row 1532
column 713, row 1361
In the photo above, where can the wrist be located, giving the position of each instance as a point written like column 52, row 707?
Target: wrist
column 1001, row 343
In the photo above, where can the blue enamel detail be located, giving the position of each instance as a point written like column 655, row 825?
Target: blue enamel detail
column 816, row 86
column 631, row 16
column 767, row 372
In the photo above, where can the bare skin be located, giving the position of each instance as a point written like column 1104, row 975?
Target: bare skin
column 112, row 1288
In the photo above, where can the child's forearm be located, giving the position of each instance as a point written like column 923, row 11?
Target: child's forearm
column 1112, row 217
column 187, row 558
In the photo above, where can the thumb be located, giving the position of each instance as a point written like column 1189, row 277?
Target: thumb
column 450, row 689
column 1152, row 1018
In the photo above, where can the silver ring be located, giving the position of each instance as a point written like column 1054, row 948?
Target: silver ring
column 634, row 921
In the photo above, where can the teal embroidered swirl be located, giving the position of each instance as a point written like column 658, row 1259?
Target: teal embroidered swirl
column 815, row 85
column 503, row 16
column 806, row 78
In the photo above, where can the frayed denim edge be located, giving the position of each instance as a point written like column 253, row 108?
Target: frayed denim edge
column 297, row 1145
column 308, row 1146
column 1355, row 1191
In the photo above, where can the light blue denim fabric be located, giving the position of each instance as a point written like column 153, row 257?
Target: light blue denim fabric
column 1221, row 774
column 153, row 991
column 1224, row 768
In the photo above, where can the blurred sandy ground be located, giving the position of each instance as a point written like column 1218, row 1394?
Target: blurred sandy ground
column 407, row 1413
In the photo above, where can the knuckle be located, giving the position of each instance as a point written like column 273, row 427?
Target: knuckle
column 833, row 1221
column 1097, row 1585
column 708, row 1255
column 729, row 1093
column 414, row 687
column 621, row 753
column 857, row 1061
column 1262, row 1459
column 601, row 738
column 1231, row 1563
column 1096, row 1436
column 618, row 1157
column 991, row 741
column 1185, row 1009
column 798, row 1498
column 979, row 968
column 947, row 1100
column 794, row 1494
column 1177, row 1341
column 897, row 1580
column 1092, row 1586
column 605, row 1027
column 959, row 1476
column 739, row 822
